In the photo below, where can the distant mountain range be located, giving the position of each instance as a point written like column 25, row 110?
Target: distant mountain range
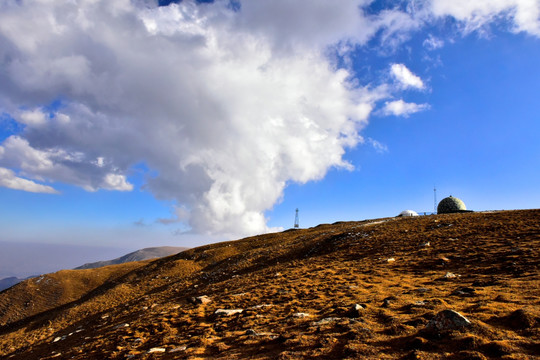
column 139, row 255
column 10, row 281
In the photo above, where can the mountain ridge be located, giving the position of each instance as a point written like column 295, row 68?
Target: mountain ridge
column 138, row 255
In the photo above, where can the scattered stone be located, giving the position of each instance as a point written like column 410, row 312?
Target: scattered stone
column 421, row 290
column 426, row 244
column 301, row 315
column 387, row 301
column 390, row 260
column 355, row 311
column 260, row 306
column 464, row 291
column 121, row 326
column 156, row 350
column 201, row 300
column 444, row 260
column 272, row 336
column 251, row 332
column 179, row 348
column 450, row 275
column 447, row 320
column 58, row 338
column 228, row 312
column 325, row 321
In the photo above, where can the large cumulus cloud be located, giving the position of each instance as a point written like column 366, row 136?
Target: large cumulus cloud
column 222, row 112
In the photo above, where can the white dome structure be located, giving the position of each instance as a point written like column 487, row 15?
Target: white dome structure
column 408, row 213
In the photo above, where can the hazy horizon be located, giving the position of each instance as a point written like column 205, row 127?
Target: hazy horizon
column 29, row 259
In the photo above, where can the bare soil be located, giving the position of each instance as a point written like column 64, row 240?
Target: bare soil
column 298, row 293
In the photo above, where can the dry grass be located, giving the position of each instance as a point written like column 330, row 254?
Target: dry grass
column 296, row 290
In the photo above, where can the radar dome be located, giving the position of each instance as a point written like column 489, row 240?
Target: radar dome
column 451, row 205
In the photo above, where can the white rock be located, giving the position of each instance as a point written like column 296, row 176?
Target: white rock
column 326, row 321
column 260, row 306
column 201, row 299
column 450, row 275
column 180, row 348
column 156, row 350
column 228, row 312
column 447, row 320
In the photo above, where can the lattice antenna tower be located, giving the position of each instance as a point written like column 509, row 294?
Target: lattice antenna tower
column 434, row 200
column 296, row 222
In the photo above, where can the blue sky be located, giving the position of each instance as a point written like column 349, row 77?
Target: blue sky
column 477, row 141
column 128, row 125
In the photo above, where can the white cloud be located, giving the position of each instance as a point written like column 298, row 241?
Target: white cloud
column 401, row 108
column 9, row 180
column 57, row 164
column 523, row 14
column 433, row 43
column 405, row 77
column 377, row 145
column 32, row 117
column 116, row 182
column 225, row 107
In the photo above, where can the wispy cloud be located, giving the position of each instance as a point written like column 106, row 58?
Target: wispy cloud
column 522, row 15
column 402, row 108
column 433, row 43
column 377, row 145
column 405, row 77
column 10, row 180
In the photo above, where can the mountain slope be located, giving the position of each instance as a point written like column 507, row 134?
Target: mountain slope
column 297, row 292
column 139, row 255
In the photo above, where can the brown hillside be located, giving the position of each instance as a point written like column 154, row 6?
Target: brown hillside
column 297, row 291
column 46, row 292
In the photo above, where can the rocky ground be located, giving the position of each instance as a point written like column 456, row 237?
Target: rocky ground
column 459, row 286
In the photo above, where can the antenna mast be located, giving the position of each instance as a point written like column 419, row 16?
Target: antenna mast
column 434, row 200
column 296, row 223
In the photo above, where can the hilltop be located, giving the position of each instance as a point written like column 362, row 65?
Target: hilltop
column 139, row 255
column 358, row 290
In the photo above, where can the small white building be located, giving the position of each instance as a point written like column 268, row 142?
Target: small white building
column 408, row 213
